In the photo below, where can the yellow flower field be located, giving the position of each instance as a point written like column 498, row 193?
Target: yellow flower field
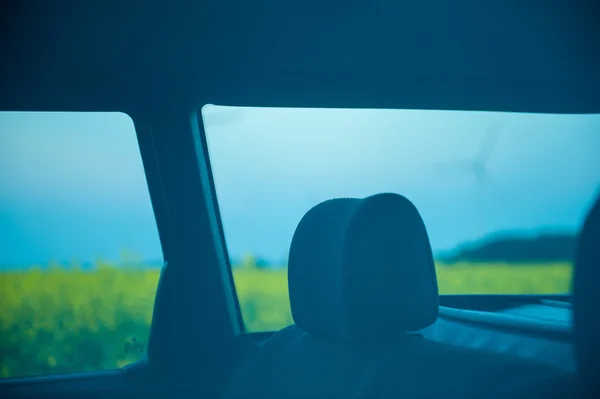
column 63, row 320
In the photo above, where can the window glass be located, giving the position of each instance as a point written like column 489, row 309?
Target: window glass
column 80, row 255
column 502, row 194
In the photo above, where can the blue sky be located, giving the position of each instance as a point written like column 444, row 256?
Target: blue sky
column 72, row 186
column 272, row 165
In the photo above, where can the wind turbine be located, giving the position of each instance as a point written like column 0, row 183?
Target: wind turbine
column 477, row 167
column 479, row 164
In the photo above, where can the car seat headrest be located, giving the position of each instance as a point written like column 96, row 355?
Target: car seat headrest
column 586, row 298
column 362, row 269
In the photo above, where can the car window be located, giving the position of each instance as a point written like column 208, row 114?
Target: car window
column 80, row 255
column 502, row 194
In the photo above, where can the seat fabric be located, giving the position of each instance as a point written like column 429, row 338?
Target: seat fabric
column 586, row 299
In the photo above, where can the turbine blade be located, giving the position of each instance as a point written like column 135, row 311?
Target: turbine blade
column 488, row 143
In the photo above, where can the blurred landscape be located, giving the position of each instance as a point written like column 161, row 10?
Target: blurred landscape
column 468, row 173
column 65, row 318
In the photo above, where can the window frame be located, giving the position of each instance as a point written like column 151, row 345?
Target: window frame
column 194, row 249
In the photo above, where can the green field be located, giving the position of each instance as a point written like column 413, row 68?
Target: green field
column 64, row 320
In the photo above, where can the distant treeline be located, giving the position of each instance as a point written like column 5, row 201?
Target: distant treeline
column 542, row 249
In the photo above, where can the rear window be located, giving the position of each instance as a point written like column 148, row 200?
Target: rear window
column 502, row 194
column 80, row 255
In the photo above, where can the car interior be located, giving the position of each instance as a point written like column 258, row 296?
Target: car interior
column 369, row 319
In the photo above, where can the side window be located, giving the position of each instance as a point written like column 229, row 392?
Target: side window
column 502, row 194
column 80, row 255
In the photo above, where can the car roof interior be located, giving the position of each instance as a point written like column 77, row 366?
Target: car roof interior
column 161, row 63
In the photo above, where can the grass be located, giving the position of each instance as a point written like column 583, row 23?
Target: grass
column 64, row 320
